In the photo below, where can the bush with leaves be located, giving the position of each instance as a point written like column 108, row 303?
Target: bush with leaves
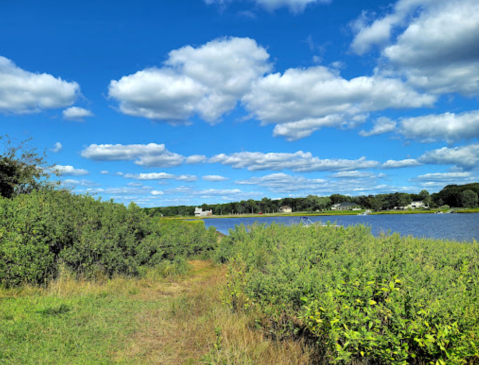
column 45, row 229
column 377, row 300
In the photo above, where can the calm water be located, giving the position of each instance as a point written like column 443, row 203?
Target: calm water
column 458, row 227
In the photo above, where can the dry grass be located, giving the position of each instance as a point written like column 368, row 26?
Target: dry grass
column 196, row 328
column 149, row 320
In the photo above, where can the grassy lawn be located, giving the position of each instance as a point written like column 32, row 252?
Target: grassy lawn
column 151, row 320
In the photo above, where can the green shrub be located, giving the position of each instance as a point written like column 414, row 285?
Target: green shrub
column 45, row 229
column 385, row 300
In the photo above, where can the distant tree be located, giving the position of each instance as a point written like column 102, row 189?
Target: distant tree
column 468, row 199
column 425, row 197
column 22, row 169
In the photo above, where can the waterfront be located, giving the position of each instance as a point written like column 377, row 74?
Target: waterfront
column 457, row 227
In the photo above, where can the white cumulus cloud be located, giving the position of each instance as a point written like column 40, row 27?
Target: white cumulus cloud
column 436, row 46
column 148, row 155
column 57, row 147
column 70, row 170
column 464, row 157
column 398, row 164
column 27, row 92
column 208, row 81
column 298, row 162
column 449, row 127
column 214, row 178
column 301, row 101
column 76, row 113
column 381, row 125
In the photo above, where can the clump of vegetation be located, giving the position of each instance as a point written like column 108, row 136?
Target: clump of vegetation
column 45, row 229
column 385, row 300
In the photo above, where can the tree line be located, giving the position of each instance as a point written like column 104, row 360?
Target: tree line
column 458, row 196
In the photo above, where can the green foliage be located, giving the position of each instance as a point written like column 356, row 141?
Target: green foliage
column 385, row 300
column 22, row 169
column 45, row 229
column 468, row 199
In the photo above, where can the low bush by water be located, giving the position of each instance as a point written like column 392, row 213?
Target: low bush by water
column 44, row 230
column 385, row 300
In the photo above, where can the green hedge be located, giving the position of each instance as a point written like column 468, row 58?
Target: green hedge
column 385, row 300
column 41, row 231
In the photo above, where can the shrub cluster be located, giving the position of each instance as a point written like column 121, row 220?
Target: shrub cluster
column 384, row 300
column 41, row 231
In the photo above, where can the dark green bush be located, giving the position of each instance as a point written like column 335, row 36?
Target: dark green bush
column 45, row 229
column 385, row 300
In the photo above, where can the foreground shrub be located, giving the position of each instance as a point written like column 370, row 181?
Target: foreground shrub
column 44, row 229
column 385, row 300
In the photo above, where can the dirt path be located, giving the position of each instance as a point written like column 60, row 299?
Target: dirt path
column 194, row 327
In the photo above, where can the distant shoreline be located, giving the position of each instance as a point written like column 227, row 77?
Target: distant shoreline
column 330, row 213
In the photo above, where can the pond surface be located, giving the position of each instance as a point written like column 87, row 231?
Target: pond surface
column 457, row 227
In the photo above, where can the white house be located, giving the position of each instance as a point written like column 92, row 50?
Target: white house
column 285, row 209
column 200, row 213
column 416, row 205
column 346, row 206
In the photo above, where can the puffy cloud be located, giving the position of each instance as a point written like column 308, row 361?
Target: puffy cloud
column 295, row 6
column 157, row 192
column 301, row 101
column 214, row 178
column 382, row 125
column 69, row 170
column 286, row 184
column 150, row 176
column 161, row 176
column 194, row 159
column 76, row 113
column 208, row 81
column 83, row 183
column 121, row 190
column 449, row 127
column 445, row 177
column 436, row 48
column 187, row 178
column 355, row 175
column 298, row 162
column 104, row 172
column 438, row 180
column 395, row 164
column 465, row 157
column 57, row 147
column 148, row 155
column 27, row 92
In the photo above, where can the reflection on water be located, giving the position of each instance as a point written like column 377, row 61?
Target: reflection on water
column 457, row 227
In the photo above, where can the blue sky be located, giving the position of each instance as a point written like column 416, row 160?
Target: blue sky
column 211, row 101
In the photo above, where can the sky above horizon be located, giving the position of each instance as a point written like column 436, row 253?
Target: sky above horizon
column 188, row 102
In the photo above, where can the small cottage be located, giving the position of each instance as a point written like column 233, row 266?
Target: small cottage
column 200, row 213
column 285, row 209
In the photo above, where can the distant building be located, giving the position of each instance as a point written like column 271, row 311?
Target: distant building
column 345, row 206
column 200, row 213
column 285, row 209
column 416, row 205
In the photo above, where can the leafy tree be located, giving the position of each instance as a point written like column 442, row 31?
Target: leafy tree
column 426, row 199
column 22, row 169
column 468, row 199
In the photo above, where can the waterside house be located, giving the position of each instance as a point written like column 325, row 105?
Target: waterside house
column 200, row 213
column 285, row 209
column 346, row 206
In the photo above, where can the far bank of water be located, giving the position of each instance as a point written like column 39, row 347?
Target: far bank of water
column 457, row 227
